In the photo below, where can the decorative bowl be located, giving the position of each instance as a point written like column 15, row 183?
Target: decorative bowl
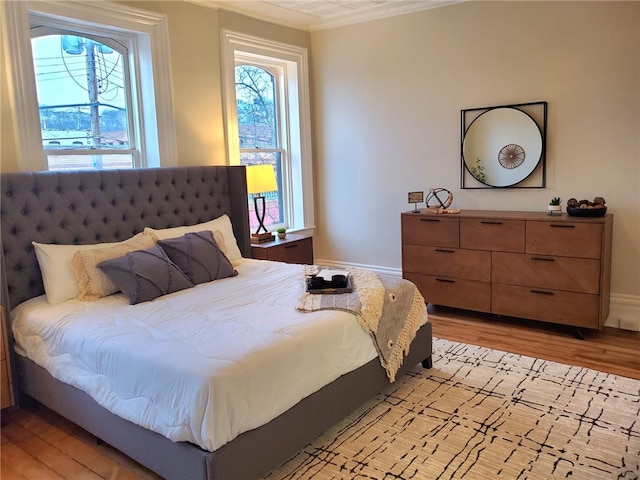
column 587, row 212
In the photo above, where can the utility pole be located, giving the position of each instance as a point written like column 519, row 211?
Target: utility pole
column 92, row 86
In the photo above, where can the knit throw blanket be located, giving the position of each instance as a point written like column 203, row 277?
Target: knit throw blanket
column 389, row 308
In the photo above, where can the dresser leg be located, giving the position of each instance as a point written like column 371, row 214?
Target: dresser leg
column 578, row 333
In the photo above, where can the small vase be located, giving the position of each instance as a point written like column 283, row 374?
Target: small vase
column 554, row 209
column 281, row 236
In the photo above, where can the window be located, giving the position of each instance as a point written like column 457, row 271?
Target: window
column 259, row 131
column 84, row 104
column 268, row 122
column 90, row 85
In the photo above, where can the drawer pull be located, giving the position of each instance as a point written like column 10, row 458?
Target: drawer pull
column 445, row 280
column 427, row 219
column 444, row 250
column 543, row 259
column 561, row 225
column 291, row 246
column 541, row 292
column 490, row 222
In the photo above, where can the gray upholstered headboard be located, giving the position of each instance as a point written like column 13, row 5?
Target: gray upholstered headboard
column 84, row 207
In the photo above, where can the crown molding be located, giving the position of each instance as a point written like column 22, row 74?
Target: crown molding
column 274, row 13
column 390, row 9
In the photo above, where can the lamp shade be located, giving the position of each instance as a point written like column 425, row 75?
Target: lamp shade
column 261, row 178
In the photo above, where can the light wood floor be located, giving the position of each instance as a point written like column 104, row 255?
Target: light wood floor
column 40, row 445
column 609, row 350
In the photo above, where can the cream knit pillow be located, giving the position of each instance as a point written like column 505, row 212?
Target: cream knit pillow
column 92, row 282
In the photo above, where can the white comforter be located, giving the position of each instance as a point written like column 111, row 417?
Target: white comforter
column 201, row 365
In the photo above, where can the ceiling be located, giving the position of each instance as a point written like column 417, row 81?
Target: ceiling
column 321, row 14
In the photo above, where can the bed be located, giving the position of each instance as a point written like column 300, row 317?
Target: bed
column 93, row 207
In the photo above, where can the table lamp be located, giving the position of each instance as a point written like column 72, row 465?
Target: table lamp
column 260, row 179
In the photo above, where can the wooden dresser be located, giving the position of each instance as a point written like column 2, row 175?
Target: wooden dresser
column 521, row 264
column 6, row 387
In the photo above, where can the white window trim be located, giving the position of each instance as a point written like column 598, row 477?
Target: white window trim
column 21, row 80
column 233, row 41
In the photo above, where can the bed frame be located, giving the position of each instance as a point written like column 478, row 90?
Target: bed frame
column 84, row 207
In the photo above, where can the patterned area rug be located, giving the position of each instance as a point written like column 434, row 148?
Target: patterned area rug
column 484, row 414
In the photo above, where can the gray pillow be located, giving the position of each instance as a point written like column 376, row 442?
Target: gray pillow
column 198, row 255
column 143, row 275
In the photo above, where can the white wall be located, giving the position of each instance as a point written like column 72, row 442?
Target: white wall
column 388, row 96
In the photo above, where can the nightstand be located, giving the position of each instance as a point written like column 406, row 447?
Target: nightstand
column 292, row 249
column 6, row 390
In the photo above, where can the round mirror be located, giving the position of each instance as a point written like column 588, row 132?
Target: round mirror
column 502, row 147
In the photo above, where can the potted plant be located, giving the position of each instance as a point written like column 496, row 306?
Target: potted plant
column 282, row 232
column 554, row 206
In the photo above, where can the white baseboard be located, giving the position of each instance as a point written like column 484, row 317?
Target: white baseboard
column 624, row 310
column 375, row 268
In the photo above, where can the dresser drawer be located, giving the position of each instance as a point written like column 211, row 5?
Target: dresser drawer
column 293, row 249
column 450, row 262
column 296, row 252
column 565, row 238
column 451, row 292
column 430, row 229
column 580, row 275
column 492, row 234
column 568, row 308
column 5, row 392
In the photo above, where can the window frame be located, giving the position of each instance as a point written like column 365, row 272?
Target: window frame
column 294, row 118
column 150, row 40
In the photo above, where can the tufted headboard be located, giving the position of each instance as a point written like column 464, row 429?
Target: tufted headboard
column 83, row 207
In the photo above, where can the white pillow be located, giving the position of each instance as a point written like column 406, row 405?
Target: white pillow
column 58, row 278
column 220, row 227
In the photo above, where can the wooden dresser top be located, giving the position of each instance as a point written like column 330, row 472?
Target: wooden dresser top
column 512, row 215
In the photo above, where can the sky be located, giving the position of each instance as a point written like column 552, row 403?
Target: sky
column 61, row 78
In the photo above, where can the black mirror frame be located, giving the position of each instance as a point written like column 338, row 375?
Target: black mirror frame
column 537, row 111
